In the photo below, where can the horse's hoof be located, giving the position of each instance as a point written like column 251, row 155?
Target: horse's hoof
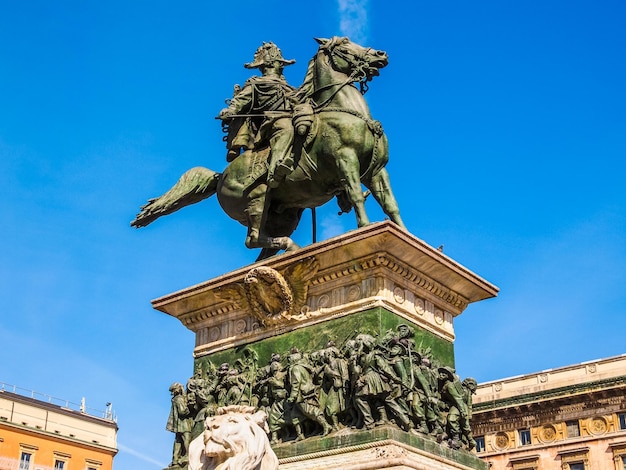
column 291, row 246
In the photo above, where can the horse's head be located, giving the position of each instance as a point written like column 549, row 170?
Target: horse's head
column 356, row 61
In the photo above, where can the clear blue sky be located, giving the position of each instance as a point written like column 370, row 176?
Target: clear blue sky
column 507, row 130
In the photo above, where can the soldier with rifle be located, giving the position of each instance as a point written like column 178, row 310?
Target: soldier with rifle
column 458, row 425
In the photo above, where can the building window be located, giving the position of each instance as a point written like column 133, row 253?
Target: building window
column 93, row 464
column 622, row 420
column 527, row 462
column 480, row 444
column 25, row 458
column 573, row 430
column 524, row 437
column 59, row 465
column 575, row 459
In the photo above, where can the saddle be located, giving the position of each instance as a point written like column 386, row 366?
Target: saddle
column 258, row 165
column 306, row 126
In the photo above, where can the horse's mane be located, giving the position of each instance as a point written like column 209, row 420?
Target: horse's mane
column 307, row 88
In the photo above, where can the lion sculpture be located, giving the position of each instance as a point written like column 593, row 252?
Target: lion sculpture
column 234, row 439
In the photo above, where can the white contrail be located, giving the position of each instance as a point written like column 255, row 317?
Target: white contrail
column 353, row 19
column 140, row 456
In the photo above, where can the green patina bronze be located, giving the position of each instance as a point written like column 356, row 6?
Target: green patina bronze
column 347, row 381
column 361, row 371
column 338, row 384
column 376, row 322
column 292, row 149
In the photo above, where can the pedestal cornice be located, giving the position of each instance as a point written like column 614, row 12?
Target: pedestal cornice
column 380, row 265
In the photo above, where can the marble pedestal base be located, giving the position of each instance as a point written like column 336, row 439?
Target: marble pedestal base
column 382, row 448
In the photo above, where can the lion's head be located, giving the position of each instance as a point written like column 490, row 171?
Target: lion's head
column 234, row 439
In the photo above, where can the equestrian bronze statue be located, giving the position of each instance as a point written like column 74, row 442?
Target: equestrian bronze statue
column 292, row 149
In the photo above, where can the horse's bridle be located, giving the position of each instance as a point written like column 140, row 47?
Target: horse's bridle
column 358, row 61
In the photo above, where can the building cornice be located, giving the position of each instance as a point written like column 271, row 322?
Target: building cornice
column 599, row 386
column 57, row 409
column 57, row 437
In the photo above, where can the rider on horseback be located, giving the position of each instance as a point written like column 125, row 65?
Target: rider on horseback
column 337, row 148
column 265, row 105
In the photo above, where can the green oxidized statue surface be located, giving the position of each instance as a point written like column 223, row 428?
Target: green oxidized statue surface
column 303, row 395
column 334, row 383
column 331, row 390
column 265, row 107
column 180, row 423
column 336, row 389
column 294, row 149
column 376, row 385
column 459, row 413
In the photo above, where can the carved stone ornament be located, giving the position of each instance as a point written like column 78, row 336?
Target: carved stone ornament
column 597, row 426
column 271, row 297
column 420, row 308
column 235, row 438
column 547, row 433
column 389, row 452
column 502, row 441
column 439, row 316
column 399, row 295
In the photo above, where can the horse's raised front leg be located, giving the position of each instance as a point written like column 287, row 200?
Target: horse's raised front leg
column 381, row 189
column 349, row 168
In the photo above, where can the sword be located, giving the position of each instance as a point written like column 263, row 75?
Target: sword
column 266, row 114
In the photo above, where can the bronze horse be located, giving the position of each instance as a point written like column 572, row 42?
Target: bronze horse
column 345, row 147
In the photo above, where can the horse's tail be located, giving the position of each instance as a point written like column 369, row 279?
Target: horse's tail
column 195, row 185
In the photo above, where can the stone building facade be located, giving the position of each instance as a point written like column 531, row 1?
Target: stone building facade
column 37, row 434
column 569, row 418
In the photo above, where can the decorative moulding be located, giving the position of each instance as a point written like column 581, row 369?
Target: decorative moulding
column 380, row 265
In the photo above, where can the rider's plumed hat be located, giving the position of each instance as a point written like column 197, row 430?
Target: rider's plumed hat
column 266, row 54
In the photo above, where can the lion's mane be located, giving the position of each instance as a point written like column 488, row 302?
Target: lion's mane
column 246, row 449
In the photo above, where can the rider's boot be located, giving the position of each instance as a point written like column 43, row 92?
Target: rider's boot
column 281, row 160
column 278, row 171
column 284, row 167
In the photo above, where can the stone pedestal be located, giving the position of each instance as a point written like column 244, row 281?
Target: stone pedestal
column 386, row 447
column 369, row 281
